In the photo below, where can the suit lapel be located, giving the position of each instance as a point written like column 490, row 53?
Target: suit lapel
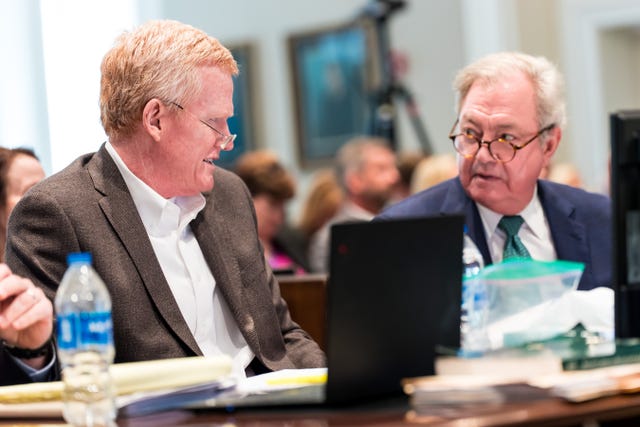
column 216, row 243
column 456, row 201
column 121, row 212
column 569, row 236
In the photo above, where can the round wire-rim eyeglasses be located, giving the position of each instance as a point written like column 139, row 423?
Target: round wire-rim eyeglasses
column 226, row 139
column 462, row 140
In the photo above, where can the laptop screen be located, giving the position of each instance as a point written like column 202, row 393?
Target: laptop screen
column 394, row 294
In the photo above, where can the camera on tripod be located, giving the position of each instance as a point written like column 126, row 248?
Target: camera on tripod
column 390, row 88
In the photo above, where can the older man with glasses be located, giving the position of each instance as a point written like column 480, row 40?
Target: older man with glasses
column 511, row 113
column 173, row 236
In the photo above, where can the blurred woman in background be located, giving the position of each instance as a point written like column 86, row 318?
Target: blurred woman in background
column 271, row 187
column 323, row 200
column 20, row 170
column 433, row 170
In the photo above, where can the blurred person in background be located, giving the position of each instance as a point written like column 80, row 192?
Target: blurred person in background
column 433, row 170
column 323, row 200
column 367, row 172
column 25, row 313
column 271, row 187
column 565, row 173
column 407, row 163
column 20, row 170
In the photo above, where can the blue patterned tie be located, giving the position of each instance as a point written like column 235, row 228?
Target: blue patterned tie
column 513, row 247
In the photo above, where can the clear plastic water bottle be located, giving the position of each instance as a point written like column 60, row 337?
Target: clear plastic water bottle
column 85, row 344
column 473, row 336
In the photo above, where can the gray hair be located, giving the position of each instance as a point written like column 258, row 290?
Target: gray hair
column 547, row 81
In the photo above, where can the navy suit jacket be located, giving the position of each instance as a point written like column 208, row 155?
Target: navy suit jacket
column 580, row 223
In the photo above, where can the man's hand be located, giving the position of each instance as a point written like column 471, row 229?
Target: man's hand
column 26, row 314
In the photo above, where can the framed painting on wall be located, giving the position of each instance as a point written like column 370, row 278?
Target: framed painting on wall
column 334, row 72
column 243, row 121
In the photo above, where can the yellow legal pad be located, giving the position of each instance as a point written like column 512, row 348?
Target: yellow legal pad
column 133, row 377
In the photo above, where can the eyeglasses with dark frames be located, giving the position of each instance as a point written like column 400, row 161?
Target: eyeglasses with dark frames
column 501, row 149
column 225, row 139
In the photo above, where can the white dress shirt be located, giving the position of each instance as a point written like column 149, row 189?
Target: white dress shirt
column 190, row 279
column 534, row 232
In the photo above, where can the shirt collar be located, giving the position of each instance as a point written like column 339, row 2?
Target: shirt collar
column 532, row 214
column 160, row 216
column 356, row 212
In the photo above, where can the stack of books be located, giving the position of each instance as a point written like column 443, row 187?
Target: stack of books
column 578, row 349
column 576, row 366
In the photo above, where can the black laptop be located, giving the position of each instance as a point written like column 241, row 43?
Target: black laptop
column 393, row 297
column 394, row 294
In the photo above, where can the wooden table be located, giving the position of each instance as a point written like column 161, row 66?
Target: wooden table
column 395, row 412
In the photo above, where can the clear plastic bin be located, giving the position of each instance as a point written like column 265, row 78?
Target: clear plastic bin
column 516, row 297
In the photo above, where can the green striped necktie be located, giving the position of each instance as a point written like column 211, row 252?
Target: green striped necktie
column 513, row 247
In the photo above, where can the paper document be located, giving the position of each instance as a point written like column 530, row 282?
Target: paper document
column 574, row 386
column 593, row 309
column 285, row 387
column 146, row 386
column 137, row 404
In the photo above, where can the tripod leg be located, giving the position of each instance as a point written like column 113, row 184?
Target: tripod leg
column 416, row 120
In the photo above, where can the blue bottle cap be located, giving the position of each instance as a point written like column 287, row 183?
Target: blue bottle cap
column 79, row 258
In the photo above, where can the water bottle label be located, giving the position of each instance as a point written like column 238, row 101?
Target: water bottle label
column 81, row 330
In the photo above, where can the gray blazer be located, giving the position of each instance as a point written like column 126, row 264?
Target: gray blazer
column 87, row 207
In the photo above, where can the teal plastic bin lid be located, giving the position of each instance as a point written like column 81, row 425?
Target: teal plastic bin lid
column 528, row 268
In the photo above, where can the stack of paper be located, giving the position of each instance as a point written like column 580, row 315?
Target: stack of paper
column 580, row 386
column 141, row 387
column 431, row 392
column 508, row 364
column 445, row 395
column 285, row 387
